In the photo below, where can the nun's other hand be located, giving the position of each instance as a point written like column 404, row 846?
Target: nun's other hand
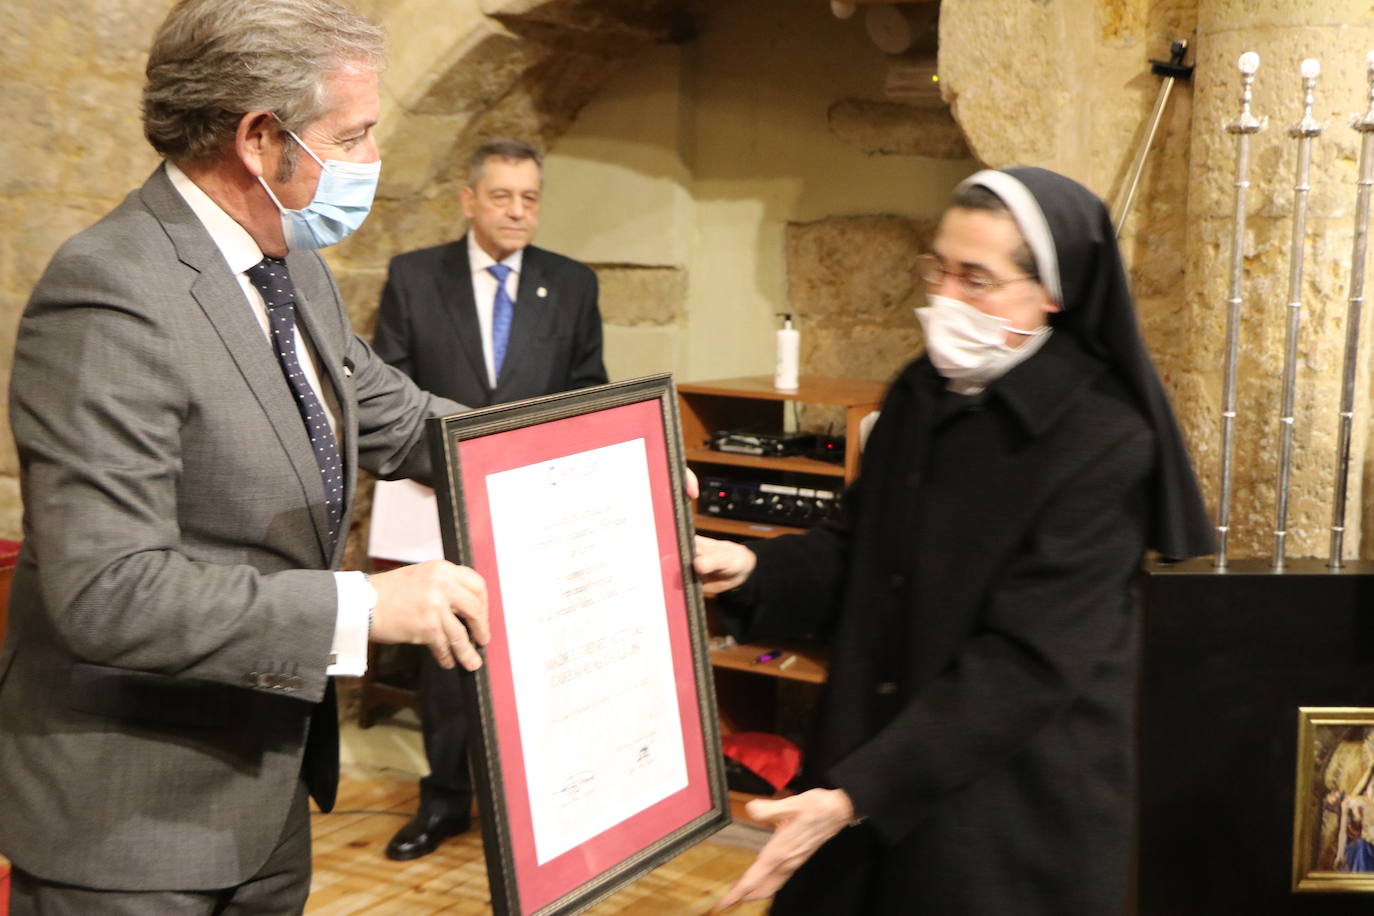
column 800, row 825
column 722, row 565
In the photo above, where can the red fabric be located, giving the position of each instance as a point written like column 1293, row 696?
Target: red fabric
column 4, row 889
column 774, row 758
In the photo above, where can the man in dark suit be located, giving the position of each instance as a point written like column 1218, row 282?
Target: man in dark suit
column 190, row 405
column 483, row 320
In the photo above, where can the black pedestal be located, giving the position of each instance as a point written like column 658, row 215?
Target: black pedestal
column 1228, row 658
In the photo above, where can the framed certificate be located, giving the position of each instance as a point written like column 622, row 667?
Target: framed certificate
column 599, row 756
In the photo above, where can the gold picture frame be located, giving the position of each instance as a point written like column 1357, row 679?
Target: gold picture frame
column 1333, row 811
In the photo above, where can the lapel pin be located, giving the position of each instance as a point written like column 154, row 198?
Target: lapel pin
column 541, row 292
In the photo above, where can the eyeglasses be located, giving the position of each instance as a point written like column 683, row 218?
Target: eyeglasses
column 976, row 283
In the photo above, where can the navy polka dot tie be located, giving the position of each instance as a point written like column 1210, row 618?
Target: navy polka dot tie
column 274, row 282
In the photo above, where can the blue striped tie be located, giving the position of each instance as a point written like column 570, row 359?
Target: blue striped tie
column 271, row 278
column 502, row 310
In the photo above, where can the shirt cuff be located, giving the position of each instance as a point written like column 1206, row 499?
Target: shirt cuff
column 357, row 599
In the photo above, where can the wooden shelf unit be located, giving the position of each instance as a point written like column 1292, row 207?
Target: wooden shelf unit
column 809, row 661
column 746, row 691
column 752, row 401
column 794, row 464
column 733, row 527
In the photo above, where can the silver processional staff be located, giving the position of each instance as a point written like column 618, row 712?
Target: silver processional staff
column 1304, row 132
column 1244, row 125
column 1365, row 125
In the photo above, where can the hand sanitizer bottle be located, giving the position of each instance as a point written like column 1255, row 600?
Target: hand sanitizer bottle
column 788, row 356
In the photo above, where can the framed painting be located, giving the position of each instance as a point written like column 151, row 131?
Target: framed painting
column 599, row 754
column 1333, row 823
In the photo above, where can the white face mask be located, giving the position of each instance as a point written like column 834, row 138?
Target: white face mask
column 965, row 343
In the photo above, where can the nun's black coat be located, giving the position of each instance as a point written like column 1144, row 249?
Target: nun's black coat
column 979, row 600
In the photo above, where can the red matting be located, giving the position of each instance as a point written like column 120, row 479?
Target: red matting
column 540, row 885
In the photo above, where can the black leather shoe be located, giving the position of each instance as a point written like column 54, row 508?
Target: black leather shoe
column 423, row 833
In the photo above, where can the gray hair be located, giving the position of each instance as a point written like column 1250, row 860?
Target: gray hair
column 212, row 61
column 506, row 148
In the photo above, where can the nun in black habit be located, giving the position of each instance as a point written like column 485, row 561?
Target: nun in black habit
column 972, row 750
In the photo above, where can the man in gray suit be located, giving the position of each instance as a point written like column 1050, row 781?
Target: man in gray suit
column 449, row 323
column 190, row 406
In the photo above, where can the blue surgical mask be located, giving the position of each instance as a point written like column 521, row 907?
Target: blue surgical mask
column 341, row 202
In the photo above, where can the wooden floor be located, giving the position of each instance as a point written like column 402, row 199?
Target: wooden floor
column 353, row 876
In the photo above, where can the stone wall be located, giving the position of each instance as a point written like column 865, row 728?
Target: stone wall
column 1339, row 34
column 1076, row 74
column 459, row 72
column 755, row 209
column 826, row 166
column 71, row 72
column 855, row 280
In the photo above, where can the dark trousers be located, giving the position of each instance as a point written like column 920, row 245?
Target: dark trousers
column 447, row 790
column 278, row 888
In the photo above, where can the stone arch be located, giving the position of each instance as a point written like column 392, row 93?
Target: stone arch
column 462, row 72
column 459, row 73
column 527, row 67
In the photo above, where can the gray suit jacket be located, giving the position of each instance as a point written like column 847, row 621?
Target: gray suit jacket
column 172, row 612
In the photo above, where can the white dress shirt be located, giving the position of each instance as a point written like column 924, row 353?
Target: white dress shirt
column 484, row 292
column 356, row 596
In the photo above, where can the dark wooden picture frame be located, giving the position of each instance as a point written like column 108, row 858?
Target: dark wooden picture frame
column 542, row 443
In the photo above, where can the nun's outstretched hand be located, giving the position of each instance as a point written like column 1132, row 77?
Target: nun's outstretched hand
column 801, row 824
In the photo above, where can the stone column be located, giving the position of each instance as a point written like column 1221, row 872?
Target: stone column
column 1338, row 33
